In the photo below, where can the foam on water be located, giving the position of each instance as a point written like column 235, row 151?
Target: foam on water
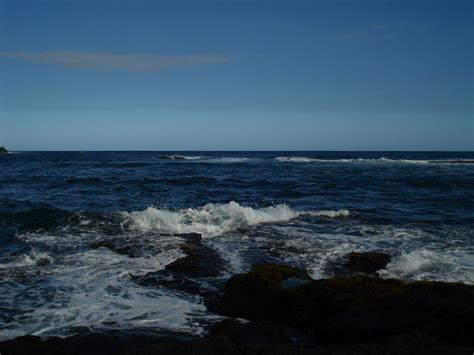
column 91, row 288
column 231, row 160
column 32, row 258
column 423, row 264
column 213, row 219
column 322, row 248
column 377, row 160
column 209, row 159
column 182, row 157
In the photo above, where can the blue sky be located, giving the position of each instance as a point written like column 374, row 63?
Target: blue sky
column 237, row 75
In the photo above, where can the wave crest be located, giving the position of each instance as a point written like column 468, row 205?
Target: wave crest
column 375, row 160
column 214, row 219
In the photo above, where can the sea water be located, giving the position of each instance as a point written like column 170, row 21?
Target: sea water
column 307, row 209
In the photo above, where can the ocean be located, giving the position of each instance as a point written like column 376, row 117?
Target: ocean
column 59, row 212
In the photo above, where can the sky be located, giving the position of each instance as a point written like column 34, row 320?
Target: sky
column 237, row 75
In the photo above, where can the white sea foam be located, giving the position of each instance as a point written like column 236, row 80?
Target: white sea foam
column 214, row 219
column 299, row 159
column 93, row 289
column 32, row 258
column 182, row 157
column 328, row 213
column 423, row 264
column 209, row 159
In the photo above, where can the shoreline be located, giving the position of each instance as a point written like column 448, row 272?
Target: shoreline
column 287, row 312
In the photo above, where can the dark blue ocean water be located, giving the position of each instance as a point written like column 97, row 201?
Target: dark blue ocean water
column 303, row 208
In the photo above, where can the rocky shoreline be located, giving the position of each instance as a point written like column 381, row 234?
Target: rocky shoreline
column 279, row 309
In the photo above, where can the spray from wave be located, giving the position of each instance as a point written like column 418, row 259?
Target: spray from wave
column 214, row 219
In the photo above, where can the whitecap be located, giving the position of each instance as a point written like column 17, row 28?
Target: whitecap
column 423, row 264
column 214, row 219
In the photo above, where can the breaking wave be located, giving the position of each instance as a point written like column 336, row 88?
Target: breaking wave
column 422, row 264
column 180, row 157
column 214, row 219
column 377, row 160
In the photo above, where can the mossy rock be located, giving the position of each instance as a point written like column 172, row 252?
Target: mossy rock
column 351, row 307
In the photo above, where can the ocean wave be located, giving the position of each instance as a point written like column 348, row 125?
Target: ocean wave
column 180, row 157
column 214, row 219
column 298, row 159
column 231, row 160
column 423, row 264
column 125, row 165
column 208, row 159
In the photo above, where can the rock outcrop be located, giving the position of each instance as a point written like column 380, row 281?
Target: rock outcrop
column 354, row 309
column 3, row 151
column 367, row 263
column 289, row 313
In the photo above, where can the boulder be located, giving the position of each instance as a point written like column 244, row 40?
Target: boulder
column 353, row 309
column 200, row 260
column 367, row 263
column 3, row 151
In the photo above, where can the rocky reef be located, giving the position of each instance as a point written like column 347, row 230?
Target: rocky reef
column 354, row 309
column 279, row 309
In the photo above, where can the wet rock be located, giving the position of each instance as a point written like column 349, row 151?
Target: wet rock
column 367, row 263
column 222, row 344
column 200, row 260
column 257, row 289
column 3, row 151
column 353, row 309
column 25, row 345
column 258, row 332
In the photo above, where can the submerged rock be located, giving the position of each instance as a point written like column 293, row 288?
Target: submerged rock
column 354, row 309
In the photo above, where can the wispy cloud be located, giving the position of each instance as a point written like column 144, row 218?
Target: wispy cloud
column 111, row 62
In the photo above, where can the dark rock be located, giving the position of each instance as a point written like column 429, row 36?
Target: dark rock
column 200, row 261
column 367, row 263
column 3, row 151
column 34, row 345
column 258, row 332
column 355, row 309
column 218, row 344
